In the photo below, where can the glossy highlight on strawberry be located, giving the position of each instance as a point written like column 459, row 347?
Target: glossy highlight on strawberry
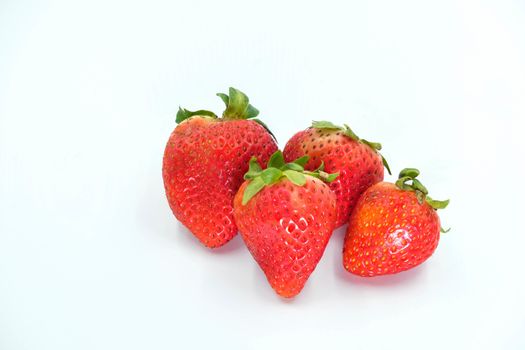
column 204, row 163
column 357, row 161
column 393, row 228
column 286, row 221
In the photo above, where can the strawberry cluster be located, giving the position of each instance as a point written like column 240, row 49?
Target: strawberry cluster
column 225, row 175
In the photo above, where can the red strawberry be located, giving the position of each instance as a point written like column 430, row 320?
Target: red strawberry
column 357, row 161
column 286, row 216
column 204, row 163
column 393, row 227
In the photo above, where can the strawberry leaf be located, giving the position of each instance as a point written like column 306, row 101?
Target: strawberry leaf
column 321, row 175
column 437, row 204
column 329, row 177
column 325, row 125
column 420, row 197
column 407, row 181
column 418, row 186
column 374, row 145
column 276, row 170
column 385, row 164
column 260, row 122
column 410, row 172
column 276, row 160
column 302, row 161
column 401, row 183
column 224, row 98
column 251, row 112
column 254, row 187
column 184, row 114
column 241, row 102
column 237, row 105
column 295, row 177
column 253, row 170
column 293, row 166
column 348, row 132
column 271, row 175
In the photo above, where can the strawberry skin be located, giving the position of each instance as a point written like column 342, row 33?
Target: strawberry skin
column 359, row 165
column 391, row 230
column 286, row 229
column 203, row 166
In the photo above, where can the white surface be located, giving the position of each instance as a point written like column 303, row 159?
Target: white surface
column 90, row 254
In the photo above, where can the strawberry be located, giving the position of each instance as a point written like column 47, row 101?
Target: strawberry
column 204, row 163
column 357, row 161
column 285, row 216
column 393, row 228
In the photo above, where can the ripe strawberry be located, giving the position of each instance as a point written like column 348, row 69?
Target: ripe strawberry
column 204, row 163
column 393, row 227
column 285, row 216
column 357, row 161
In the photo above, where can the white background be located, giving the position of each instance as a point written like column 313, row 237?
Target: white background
column 91, row 256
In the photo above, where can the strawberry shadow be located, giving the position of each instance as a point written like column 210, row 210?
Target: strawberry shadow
column 185, row 238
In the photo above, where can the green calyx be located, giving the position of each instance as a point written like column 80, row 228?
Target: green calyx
column 407, row 181
column 345, row 129
column 238, row 107
column 276, row 170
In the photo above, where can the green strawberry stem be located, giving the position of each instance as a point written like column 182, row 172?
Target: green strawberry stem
column 407, row 181
column 278, row 169
column 238, row 107
column 376, row 146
